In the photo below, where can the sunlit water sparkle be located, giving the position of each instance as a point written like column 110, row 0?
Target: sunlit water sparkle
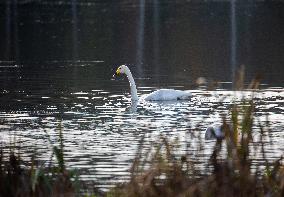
column 58, row 57
column 102, row 130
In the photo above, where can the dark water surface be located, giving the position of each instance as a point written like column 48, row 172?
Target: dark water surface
column 57, row 61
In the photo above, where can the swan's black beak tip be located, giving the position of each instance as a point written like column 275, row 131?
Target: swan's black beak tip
column 117, row 73
column 114, row 76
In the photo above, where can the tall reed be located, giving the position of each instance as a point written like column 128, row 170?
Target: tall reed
column 164, row 173
column 18, row 179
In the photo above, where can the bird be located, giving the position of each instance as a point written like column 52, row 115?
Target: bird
column 214, row 131
column 158, row 95
column 217, row 130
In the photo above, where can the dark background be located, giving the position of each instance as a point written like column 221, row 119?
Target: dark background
column 176, row 36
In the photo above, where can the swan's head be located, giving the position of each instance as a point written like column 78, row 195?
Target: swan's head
column 121, row 70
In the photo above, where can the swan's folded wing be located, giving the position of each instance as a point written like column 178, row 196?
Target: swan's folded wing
column 168, row 95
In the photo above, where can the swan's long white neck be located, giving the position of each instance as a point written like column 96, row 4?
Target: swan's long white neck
column 132, row 85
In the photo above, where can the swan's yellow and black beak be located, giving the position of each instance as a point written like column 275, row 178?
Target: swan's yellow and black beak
column 117, row 71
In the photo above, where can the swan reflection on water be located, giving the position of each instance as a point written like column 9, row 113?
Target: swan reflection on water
column 133, row 106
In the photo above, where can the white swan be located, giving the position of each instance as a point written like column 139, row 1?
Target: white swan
column 214, row 131
column 217, row 131
column 158, row 95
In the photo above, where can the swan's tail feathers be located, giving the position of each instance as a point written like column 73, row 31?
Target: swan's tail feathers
column 185, row 96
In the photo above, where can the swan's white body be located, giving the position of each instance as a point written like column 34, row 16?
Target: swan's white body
column 158, row 95
column 167, row 95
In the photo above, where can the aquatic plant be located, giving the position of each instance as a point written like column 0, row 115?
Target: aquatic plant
column 18, row 179
column 163, row 172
